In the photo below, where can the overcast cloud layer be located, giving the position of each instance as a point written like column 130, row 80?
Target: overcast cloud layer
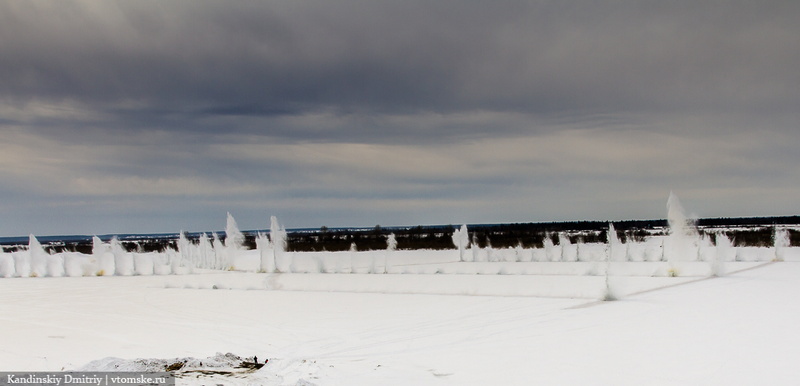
column 154, row 116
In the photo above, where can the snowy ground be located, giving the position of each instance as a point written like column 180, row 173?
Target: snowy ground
column 345, row 329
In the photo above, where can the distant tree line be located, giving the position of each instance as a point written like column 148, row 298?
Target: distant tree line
column 752, row 231
column 757, row 231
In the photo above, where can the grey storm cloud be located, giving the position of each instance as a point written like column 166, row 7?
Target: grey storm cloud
column 154, row 62
column 348, row 112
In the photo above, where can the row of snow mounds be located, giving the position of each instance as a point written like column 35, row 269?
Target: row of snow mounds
column 75, row 264
column 527, row 262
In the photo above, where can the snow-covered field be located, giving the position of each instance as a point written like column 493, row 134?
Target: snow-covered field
column 418, row 327
column 673, row 309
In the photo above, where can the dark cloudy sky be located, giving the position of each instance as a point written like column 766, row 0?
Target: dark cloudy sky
column 160, row 116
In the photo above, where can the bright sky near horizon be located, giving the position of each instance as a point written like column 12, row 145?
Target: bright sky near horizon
column 151, row 116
